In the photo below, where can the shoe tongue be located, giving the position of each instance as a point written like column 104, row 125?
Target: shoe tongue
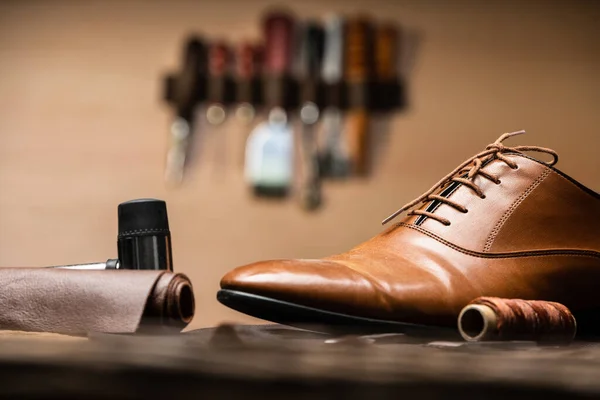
column 431, row 206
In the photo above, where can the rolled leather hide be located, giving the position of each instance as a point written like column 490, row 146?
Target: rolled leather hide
column 77, row 301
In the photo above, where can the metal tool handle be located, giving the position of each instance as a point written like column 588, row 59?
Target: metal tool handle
column 109, row 264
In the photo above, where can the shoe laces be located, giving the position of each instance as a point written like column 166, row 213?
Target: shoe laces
column 472, row 167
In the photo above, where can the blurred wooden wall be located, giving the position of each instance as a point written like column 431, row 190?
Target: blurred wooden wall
column 82, row 127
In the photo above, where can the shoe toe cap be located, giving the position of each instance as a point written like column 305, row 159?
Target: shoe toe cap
column 314, row 283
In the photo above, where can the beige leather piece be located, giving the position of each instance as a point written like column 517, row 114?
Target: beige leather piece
column 472, row 229
column 557, row 215
column 39, row 336
column 535, row 236
column 77, row 302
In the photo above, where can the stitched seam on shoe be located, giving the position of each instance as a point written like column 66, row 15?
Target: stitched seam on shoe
column 531, row 253
column 513, row 207
column 572, row 181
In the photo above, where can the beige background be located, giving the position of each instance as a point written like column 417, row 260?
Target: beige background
column 82, row 127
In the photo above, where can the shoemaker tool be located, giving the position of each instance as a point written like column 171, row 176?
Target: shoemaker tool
column 248, row 69
column 269, row 150
column 334, row 159
column 358, row 73
column 143, row 241
column 310, row 58
column 219, row 96
column 184, row 92
column 386, row 67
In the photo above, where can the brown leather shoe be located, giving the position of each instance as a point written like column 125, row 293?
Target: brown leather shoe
column 502, row 224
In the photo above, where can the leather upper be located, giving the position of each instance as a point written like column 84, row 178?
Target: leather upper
column 533, row 207
column 535, row 234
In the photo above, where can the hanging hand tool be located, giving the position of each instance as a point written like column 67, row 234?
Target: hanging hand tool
column 269, row 151
column 219, row 96
column 184, row 91
column 310, row 59
column 248, row 96
column 386, row 67
column 248, row 67
column 358, row 69
column 143, row 240
column 334, row 158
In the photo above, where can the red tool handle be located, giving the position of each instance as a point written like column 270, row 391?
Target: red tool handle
column 279, row 36
column 249, row 60
column 218, row 59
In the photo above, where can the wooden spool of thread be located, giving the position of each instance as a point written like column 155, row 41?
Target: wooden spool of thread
column 493, row 318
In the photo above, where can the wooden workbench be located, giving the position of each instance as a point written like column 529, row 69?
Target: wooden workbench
column 276, row 362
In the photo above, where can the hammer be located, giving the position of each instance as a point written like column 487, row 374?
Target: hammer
column 143, row 240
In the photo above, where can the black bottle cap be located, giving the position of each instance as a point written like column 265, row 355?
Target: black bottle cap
column 143, row 217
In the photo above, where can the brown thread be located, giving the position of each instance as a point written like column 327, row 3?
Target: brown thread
column 518, row 319
column 490, row 240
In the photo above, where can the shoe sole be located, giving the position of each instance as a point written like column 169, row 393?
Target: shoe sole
column 296, row 315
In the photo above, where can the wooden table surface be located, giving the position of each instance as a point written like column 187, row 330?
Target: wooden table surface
column 273, row 361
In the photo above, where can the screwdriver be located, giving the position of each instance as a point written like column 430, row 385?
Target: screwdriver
column 248, row 63
column 334, row 159
column 219, row 94
column 187, row 91
column 248, row 68
column 358, row 70
column 269, row 150
column 386, row 65
column 310, row 59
